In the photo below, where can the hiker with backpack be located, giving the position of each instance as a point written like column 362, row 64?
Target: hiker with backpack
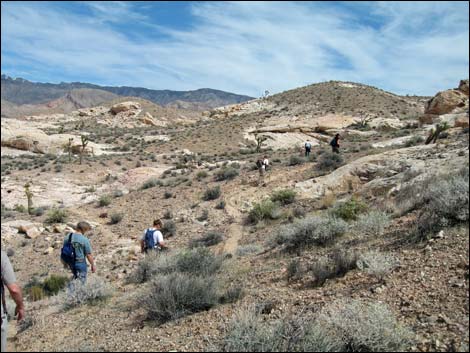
column 76, row 250
column 308, row 148
column 153, row 238
column 335, row 144
column 9, row 281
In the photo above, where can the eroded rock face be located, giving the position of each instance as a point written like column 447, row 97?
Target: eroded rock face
column 382, row 174
column 446, row 101
column 463, row 86
column 124, row 107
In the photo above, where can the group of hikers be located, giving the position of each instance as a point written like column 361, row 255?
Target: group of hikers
column 75, row 252
column 263, row 164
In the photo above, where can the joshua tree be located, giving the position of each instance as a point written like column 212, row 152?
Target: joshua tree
column 69, row 149
column 29, row 196
column 84, row 144
column 259, row 141
column 435, row 133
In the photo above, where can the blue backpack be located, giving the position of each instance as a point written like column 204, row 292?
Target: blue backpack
column 68, row 254
column 149, row 240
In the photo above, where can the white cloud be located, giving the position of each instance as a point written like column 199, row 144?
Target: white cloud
column 248, row 47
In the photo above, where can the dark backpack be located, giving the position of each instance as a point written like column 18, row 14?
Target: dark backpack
column 259, row 163
column 4, row 302
column 333, row 142
column 68, row 254
column 149, row 240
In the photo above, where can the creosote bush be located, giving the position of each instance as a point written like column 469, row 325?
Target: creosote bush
column 329, row 161
column 227, row 173
column 93, row 291
column 179, row 294
column 372, row 223
column 105, row 200
column 150, row 183
column 337, row 265
column 211, row 194
column 285, row 197
column 264, row 210
column 353, row 326
column 56, row 215
column 210, row 239
column 307, row 232
column 116, row 218
column 350, row 210
column 377, row 264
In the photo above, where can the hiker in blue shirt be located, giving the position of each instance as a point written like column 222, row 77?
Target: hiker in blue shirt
column 82, row 247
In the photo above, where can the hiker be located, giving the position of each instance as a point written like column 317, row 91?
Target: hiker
column 76, row 250
column 9, row 281
column 153, row 238
column 335, row 144
column 308, row 148
column 265, row 163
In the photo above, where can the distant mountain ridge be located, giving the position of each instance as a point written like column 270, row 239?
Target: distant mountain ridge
column 20, row 91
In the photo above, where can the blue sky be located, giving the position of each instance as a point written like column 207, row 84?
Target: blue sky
column 241, row 47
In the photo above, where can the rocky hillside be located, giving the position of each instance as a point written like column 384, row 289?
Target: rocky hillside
column 346, row 98
column 19, row 91
column 362, row 251
column 72, row 100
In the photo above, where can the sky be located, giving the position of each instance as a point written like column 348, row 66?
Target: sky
column 241, row 47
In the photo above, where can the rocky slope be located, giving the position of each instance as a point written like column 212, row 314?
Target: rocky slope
column 427, row 292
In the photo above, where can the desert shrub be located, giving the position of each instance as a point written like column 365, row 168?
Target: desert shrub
column 296, row 160
column 285, row 197
column 294, row 270
column 337, row 265
column 39, row 211
column 56, row 215
column 233, row 294
column 442, row 201
column 20, row 208
column 150, row 183
column 204, row 216
column 116, row 218
column 372, row 223
column 310, row 231
column 211, row 194
column 340, row 327
column 104, row 200
column 167, row 214
column 169, row 228
column 377, row 264
column 210, row 239
column 263, row 210
column 329, row 161
column 36, row 293
column 220, row 205
column 90, row 189
column 54, row 284
column 359, row 326
column 151, row 265
column 227, row 173
column 201, row 175
column 249, row 249
column 118, row 193
column 179, row 294
column 93, row 291
column 198, row 261
column 167, row 195
column 349, row 210
column 415, row 140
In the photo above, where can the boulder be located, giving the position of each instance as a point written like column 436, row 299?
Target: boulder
column 386, row 124
column 428, row 119
column 462, row 121
column 124, row 107
column 463, row 86
column 149, row 120
column 446, row 101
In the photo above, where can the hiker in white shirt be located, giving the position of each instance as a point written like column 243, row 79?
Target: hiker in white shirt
column 153, row 238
